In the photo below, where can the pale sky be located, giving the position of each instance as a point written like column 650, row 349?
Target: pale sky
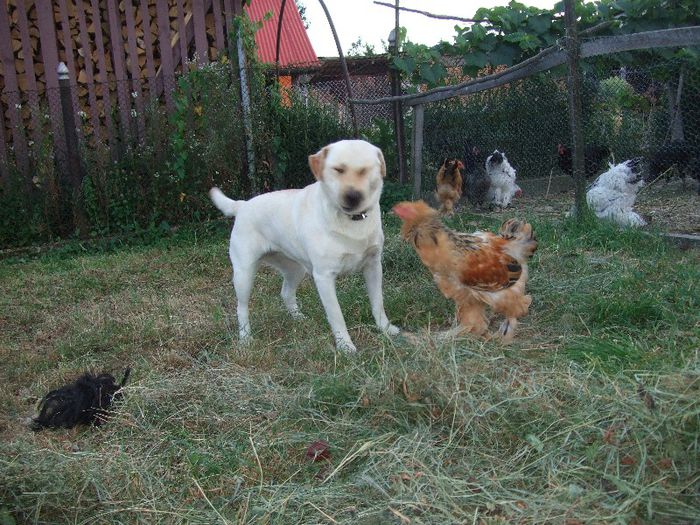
column 363, row 18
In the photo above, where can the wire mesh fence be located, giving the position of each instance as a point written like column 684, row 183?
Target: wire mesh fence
column 648, row 109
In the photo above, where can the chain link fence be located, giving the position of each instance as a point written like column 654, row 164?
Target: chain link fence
column 649, row 108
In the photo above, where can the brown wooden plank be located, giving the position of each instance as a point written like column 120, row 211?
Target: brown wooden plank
column 219, row 40
column 70, row 58
column 181, row 34
column 134, row 66
column 19, row 141
column 676, row 37
column 103, row 77
column 200, row 32
column 176, row 49
column 148, row 43
column 228, row 25
column 119, row 64
column 166, row 53
column 232, row 8
column 49, row 53
column 89, row 76
column 30, row 73
column 4, row 174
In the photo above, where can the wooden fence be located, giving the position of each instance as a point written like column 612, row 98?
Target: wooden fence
column 119, row 54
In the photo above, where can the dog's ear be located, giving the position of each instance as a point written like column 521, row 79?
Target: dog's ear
column 382, row 164
column 317, row 161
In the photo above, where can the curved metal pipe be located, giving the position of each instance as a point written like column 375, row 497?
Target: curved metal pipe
column 344, row 67
column 279, row 34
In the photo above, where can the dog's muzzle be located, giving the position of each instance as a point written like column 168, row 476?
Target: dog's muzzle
column 352, row 199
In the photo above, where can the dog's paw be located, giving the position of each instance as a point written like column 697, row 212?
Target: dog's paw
column 245, row 339
column 347, row 346
column 297, row 315
column 392, row 330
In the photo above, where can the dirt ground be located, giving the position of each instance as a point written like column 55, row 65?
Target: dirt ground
column 672, row 207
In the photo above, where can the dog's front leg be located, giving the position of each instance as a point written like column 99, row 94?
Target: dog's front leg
column 325, row 284
column 373, row 280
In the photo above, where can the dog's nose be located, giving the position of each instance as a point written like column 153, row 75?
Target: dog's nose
column 352, row 198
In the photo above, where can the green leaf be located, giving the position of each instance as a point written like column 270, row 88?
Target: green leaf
column 503, row 55
column 540, row 24
column 477, row 59
column 478, row 32
column 516, row 37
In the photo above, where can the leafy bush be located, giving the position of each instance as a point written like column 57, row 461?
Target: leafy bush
column 394, row 192
column 289, row 130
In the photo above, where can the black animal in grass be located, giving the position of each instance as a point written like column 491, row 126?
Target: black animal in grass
column 593, row 157
column 476, row 181
column 683, row 156
column 86, row 401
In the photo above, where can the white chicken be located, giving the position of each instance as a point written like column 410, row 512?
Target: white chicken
column 613, row 193
column 501, row 176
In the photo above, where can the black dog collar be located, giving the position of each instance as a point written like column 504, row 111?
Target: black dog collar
column 359, row 216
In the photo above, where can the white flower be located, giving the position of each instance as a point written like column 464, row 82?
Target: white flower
column 18, row 106
column 134, row 94
column 133, row 113
column 82, row 115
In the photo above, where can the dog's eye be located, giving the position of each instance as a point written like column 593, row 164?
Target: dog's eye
column 340, row 170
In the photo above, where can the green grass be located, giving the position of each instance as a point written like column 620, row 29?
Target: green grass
column 556, row 428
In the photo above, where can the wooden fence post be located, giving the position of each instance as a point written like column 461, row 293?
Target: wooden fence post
column 72, row 168
column 574, row 84
column 417, row 149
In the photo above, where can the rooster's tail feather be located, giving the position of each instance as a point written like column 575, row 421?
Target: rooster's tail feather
column 523, row 241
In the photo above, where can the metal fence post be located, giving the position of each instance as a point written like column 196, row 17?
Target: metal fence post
column 397, row 107
column 71, row 168
column 417, row 149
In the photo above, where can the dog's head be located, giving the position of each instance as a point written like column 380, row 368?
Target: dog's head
column 351, row 173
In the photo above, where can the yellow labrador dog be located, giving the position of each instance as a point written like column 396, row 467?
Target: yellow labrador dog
column 329, row 228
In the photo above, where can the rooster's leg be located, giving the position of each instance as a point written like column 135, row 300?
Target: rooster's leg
column 507, row 329
column 471, row 317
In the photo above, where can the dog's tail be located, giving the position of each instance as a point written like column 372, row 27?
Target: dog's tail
column 228, row 207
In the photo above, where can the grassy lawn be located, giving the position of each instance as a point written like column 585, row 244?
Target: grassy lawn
column 591, row 416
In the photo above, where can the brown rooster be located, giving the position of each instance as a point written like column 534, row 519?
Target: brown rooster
column 474, row 270
column 449, row 184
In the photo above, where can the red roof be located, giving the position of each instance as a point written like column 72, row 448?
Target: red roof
column 295, row 46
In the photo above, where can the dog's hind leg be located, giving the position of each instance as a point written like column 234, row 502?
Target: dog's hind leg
column 293, row 273
column 243, row 276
